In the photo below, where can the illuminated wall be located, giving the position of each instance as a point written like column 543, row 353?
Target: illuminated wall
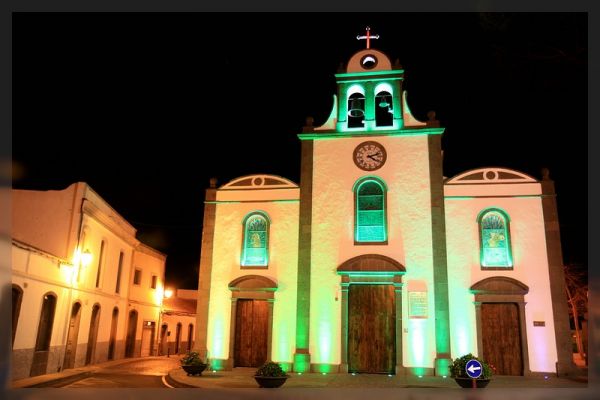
column 406, row 173
column 520, row 199
column 280, row 202
column 45, row 259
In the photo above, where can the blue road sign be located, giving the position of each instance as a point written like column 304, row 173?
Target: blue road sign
column 474, row 368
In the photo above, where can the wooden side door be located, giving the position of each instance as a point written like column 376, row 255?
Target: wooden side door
column 371, row 329
column 501, row 337
column 71, row 349
column 251, row 330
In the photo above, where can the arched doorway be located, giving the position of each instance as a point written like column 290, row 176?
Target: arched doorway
column 251, row 320
column 177, row 337
column 71, row 348
column 190, row 337
column 371, row 314
column 113, row 333
column 164, row 339
column 501, row 328
column 131, row 332
column 17, row 297
column 44, row 334
column 93, row 335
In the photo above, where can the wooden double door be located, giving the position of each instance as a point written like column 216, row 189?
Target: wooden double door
column 501, row 337
column 251, row 333
column 371, row 329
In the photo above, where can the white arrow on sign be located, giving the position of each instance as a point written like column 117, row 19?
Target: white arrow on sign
column 473, row 368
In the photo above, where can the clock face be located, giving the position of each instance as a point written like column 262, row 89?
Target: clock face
column 369, row 156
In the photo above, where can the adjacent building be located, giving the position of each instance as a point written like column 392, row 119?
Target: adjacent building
column 376, row 262
column 85, row 290
column 178, row 322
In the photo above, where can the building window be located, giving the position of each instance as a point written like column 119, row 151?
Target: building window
column 100, row 262
column 370, row 210
column 137, row 276
column 494, row 239
column 255, row 252
column 153, row 284
column 119, row 270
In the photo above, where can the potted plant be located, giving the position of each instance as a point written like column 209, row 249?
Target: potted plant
column 270, row 375
column 459, row 372
column 192, row 363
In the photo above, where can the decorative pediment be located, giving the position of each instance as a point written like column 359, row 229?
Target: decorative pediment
column 500, row 285
column 371, row 263
column 253, row 283
column 490, row 175
column 259, row 182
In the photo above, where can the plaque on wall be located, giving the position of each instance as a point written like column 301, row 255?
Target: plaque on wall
column 417, row 304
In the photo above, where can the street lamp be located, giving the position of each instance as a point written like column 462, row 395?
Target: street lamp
column 167, row 294
column 86, row 258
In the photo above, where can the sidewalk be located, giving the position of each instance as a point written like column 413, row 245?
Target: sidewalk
column 243, row 378
column 72, row 374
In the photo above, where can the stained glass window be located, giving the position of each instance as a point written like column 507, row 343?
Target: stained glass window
column 370, row 212
column 256, row 239
column 495, row 241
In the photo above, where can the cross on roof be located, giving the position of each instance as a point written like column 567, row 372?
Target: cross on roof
column 368, row 37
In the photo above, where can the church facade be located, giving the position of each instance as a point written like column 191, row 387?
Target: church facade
column 376, row 262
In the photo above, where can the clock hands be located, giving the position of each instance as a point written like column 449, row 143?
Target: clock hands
column 372, row 156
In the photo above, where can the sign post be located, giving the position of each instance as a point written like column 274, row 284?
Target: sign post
column 474, row 369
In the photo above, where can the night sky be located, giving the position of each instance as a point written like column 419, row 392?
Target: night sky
column 147, row 107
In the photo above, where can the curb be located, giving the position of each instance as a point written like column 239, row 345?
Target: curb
column 177, row 384
column 63, row 380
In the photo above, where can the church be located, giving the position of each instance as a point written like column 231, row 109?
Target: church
column 376, row 262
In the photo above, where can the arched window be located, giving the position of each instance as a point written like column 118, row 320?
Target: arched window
column 256, row 240
column 100, row 262
column 370, row 210
column 494, row 239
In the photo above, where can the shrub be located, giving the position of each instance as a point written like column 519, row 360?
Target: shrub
column 270, row 369
column 192, row 358
column 458, row 367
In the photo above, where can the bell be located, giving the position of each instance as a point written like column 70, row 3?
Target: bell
column 383, row 103
column 355, row 110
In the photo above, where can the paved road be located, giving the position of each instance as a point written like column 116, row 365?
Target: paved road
column 135, row 374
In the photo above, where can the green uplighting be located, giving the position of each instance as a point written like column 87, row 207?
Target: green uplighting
column 301, row 362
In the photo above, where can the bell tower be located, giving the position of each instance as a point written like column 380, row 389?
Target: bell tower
column 370, row 91
column 371, row 188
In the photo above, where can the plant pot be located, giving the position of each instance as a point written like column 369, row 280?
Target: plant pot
column 468, row 382
column 270, row 381
column 194, row 369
